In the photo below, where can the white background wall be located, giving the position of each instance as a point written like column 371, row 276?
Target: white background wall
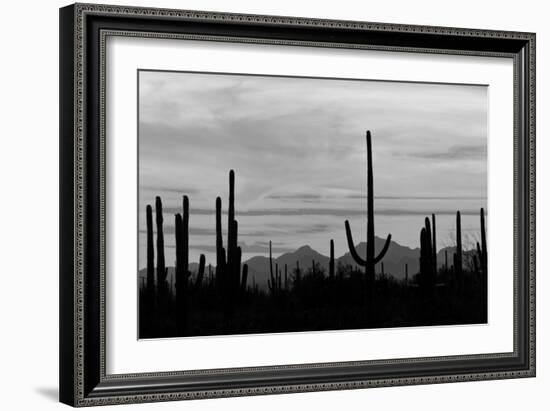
column 29, row 204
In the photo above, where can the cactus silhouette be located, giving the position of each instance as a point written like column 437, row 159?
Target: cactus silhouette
column 274, row 280
column 482, row 250
column 150, row 253
column 271, row 281
column 228, row 262
column 370, row 259
column 161, row 266
column 458, row 253
column 234, row 252
column 434, row 246
column 331, row 261
column 482, row 256
column 220, row 251
column 184, row 290
column 319, row 298
column 428, row 271
column 232, row 233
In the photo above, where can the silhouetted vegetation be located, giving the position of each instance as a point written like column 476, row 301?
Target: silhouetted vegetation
column 306, row 298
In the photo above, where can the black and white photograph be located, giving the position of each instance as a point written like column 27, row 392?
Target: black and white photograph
column 276, row 204
column 262, row 199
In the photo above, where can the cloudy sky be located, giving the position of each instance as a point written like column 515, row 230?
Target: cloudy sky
column 297, row 146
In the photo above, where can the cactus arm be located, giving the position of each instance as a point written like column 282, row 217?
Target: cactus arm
column 384, row 250
column 351, row 247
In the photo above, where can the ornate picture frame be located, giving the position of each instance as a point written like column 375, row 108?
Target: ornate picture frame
column 84, row 378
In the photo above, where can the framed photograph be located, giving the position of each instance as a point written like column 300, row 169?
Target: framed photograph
column 262, row 204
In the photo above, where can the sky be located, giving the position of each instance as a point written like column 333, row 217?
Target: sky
column 298, row 149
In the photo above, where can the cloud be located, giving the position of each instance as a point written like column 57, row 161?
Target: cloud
column 459, row 152
column 295, row 196
column 257, row 248
column 181, row 190
column 335, row 212
column 298, row 150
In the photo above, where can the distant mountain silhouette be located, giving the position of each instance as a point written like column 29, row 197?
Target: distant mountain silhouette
column 258, row 267
column 394, row 261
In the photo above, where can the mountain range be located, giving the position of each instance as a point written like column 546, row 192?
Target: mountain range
column 394, row 261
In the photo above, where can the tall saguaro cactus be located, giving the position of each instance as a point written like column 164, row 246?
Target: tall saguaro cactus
column 184, row 290
column 232, row 230
column 150, row 253
column 331, row 261
column 185, row 234
column 161, row 265
column 220, row 252
column 458, row 253
column 434, row 247
column 228, row 261
column 482, row 250
column 427, row 267
column 370, row 259
column 181, row 276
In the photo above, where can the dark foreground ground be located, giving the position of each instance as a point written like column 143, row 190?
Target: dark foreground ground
column 315, row 302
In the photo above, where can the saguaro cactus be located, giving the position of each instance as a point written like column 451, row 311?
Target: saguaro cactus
column 185, row 234
column 232, row 230
column 331, row 261
column 434, row 247
column 427, row 272
column 161, row 266
column 458, row 254
column 181, row 277
column 482, row 250
column 184, row 290
column 150, row 252
column 370, row 259
column 220, row 251
column 182, row 259
column 228, row 262
column 274, row 280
